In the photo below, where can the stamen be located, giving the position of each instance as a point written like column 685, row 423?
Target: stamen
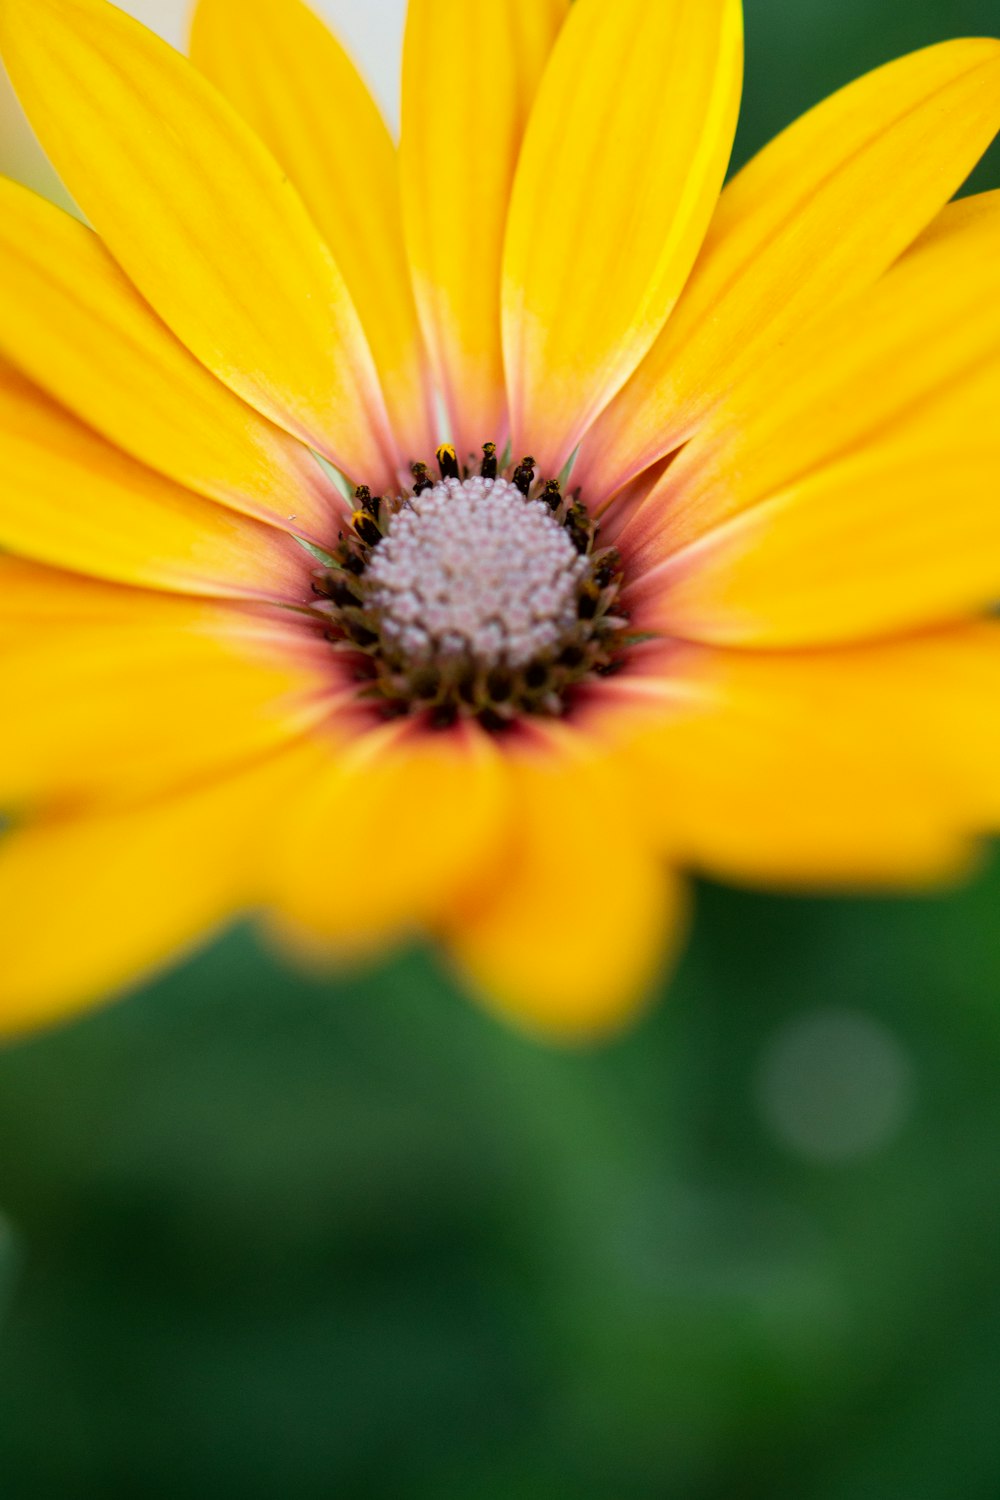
column 368, row 502
column 577, row 525
column 447, row 461
column 606, row 569
column 524, row 474
column 481, row 596
column 366, row 528
column 587, row 600
column 421, row 478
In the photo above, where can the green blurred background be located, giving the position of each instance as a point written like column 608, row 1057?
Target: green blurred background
column 261, row 1237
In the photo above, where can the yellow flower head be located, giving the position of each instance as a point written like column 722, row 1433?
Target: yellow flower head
column 464, row 539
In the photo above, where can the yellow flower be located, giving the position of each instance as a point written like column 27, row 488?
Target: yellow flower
column 493, row 698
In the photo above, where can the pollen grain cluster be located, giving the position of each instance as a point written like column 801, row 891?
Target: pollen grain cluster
column 480, row 594
column 470, row 569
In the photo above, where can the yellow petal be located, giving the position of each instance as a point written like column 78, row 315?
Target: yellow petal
column 471, row 69
column 578, row 915
column 848, row 486
column 201, row 218
column 72, row 320
column 36, row 599
column 118, row 694
column 292, row 81
column 816, row 217
column 962, row 216
column 622, row 163
column 385, row 836
column 867, row 765
column 92, row 904
column 70, row 499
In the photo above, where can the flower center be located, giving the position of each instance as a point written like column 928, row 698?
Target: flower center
column 479, row 594
column 472, row 571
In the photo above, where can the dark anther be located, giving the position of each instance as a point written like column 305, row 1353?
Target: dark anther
column 553, row 494
column 447, row 461
column 323, row 586
column 488, row 467
column 572, row 656
column 536, row 676
column 499, row 685
column 444, row 716
column 342, row 594
column 366, row 528
column 579, row 537
column 426, row 683
column 524, row 474
column 467, row 688
column 421, row 478
column 354, row 564
column 606, row 569
column 586, row 604
column 579, row 530
column 360, row 634
column 493, row 722
column 367, row 501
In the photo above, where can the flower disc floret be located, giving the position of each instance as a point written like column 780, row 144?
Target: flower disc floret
column 471, row 570
column 480, row 594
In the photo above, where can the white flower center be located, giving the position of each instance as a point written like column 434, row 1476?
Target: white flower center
column 470, row 569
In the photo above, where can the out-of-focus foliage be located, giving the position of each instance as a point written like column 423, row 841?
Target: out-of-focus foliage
column 262, row 1238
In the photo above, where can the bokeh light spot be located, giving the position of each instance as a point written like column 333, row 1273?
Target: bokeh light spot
column 834, row 1085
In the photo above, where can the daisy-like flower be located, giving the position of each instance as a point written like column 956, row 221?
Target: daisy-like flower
column 469, row 540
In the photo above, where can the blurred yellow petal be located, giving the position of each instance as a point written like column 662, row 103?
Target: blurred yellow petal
column 867, row 765
column 471, row 69
column 201, row 218
column 385, row 837
column 73, row 322
column 622, row 163
column 578, row 916
column 70, row 499
column 33, row 595
column 147, row 693
column 291, row 80
column 41, row 600
column 92, row 904
column 817, row 216
column 848, row 487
